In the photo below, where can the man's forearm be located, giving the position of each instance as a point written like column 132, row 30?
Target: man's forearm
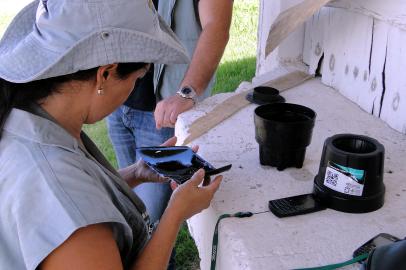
column 216, row 19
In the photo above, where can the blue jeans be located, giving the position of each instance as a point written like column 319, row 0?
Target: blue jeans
column 128, row 129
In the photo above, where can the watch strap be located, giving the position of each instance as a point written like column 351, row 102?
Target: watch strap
column 188, row 92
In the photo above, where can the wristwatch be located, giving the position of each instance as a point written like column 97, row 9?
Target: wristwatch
column 188, row 92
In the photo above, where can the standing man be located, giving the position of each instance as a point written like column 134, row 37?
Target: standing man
column 202, row 26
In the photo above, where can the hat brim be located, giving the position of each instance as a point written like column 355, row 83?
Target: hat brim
column 24, row 58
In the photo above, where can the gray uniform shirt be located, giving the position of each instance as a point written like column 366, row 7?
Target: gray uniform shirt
column 50, row 187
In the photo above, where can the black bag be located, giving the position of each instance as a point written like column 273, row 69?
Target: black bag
column 390, row 257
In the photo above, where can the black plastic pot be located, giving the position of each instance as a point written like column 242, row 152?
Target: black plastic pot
column 283, row 131
column 350, row 177
column 265, row 95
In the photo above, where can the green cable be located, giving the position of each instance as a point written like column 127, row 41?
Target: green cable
column 249, row 214
column 215, row 242
column 338, row 265
column 214, row 246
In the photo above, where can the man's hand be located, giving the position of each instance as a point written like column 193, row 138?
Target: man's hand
column 167, row 111
column 215, row 17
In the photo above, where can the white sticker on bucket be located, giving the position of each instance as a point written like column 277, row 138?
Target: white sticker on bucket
column 341, row 180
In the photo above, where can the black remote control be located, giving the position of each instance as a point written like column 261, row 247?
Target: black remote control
column 381, row 239
column 296, row 205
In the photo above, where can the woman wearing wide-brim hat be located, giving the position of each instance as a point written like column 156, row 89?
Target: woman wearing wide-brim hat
column 65, row 63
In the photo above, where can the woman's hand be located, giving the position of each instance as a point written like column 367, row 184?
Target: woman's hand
column 144, row 174
column 140, row 172
column 191, row 198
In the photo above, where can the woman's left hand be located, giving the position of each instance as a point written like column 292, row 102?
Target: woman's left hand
column 140, row 172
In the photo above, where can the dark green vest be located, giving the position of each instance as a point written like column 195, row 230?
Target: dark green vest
column 180, row 15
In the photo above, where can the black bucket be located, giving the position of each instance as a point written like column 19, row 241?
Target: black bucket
column 350, row 177
column 283, row 132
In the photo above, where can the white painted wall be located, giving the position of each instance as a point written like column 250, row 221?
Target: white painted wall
column 291, row 49
column 363, row 44
column 390, row 11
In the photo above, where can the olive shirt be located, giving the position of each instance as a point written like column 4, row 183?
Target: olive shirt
column 50, row 186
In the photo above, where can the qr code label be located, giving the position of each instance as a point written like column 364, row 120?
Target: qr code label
column 343, row 183
column 331, row 178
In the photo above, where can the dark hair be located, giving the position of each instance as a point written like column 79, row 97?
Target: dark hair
column 17, row 95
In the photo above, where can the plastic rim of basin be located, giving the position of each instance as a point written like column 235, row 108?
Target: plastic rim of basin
column 265, row 95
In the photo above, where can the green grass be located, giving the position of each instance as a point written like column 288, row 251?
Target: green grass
column 238, row 64
column 187, row 256
column 230, row 74
column 98, row 133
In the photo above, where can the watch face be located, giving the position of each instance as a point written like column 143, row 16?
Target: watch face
column 186, row 91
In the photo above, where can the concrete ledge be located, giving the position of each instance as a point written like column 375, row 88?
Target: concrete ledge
column 265, row 241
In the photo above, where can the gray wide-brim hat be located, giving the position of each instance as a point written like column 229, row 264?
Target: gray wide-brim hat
column 51, row 38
